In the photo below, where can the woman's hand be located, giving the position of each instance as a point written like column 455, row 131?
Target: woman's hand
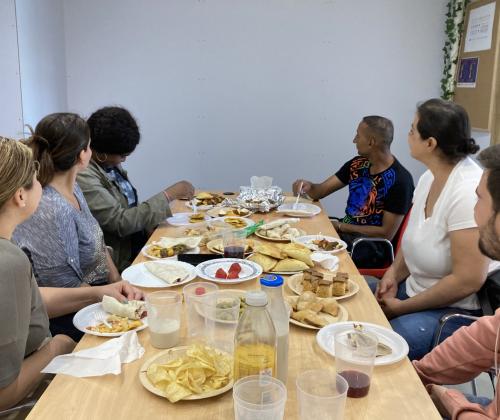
column 181, row 189
column 387, row 287
column 121, row 291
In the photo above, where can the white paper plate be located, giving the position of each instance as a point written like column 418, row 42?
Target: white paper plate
column 139, row 275
column 173, row 257
column 293, row 283
column 215, row 212
column 249, row 270
column 200, row 208
column 182, row 219
column 302, row 210
column 248, row 222
column 86, row 317
column 166, row 356
column 307, row 241
column 398, row 344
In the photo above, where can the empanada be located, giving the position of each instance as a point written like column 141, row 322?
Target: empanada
column 289, row 264
column 269, row 250
column 267, row 263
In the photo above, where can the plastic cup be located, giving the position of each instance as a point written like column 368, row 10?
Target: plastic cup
column 259, row 398
column 196, row 296
column 233, row 242
column 321, row 395
column 164, row 318
column 355, row 354
column 222, row 318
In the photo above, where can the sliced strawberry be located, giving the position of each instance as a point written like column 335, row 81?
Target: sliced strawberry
column 220, row 274
column 199, row 291
column 233, row 275
column 236, row 267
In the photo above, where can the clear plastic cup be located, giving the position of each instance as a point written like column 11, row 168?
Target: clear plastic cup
column 164, row 318
column 233, row 242
column 259, row 398
column 321, row 395
column 355, row 354
column 196, row 296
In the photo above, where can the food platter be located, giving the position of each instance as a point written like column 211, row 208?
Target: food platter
column 93, row 314
column 343, row 316
column 207, row 269
column 307, row 241
column 260, row 235
column 229, row 211
column 165, row 357
column 145, row 248
column 182, row 219
column 221, row 295
column 294, row 283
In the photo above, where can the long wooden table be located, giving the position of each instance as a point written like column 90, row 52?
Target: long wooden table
column 396, row 391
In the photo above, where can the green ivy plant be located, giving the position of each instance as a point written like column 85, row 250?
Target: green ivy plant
column 453, row 29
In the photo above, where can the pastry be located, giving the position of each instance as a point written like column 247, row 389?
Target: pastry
column 269, row 250
column 267, row 263
column 289, row 264
column 330, row 306
column 298, row 252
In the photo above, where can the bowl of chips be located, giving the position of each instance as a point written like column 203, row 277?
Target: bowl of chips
column 188, row 373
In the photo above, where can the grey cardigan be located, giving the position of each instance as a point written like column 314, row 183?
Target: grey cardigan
column 119, row 221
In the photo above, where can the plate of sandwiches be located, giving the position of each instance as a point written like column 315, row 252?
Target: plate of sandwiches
column 391, row 346
column 160, row 273
column 205, row 201
column 280, row 230
column 216, row 246
column 229, row 211
column 323, row 285
column 309, row 311
column 287, row 258
column 111, row 318
column 187, row 219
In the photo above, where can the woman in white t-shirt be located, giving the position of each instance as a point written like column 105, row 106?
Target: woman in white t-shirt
column 440, row 268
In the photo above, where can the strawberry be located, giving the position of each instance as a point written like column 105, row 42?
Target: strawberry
column 220, row 274
column 233, row 275
column 199, row 291
column 235, row 267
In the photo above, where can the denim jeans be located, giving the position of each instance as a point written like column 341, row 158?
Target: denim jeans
column 419, row 328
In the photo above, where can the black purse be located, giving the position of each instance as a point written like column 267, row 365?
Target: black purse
column 489, row 294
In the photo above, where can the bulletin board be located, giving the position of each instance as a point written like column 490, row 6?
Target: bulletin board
column 478, row 68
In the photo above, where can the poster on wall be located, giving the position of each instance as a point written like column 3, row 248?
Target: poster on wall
column 480, row 28
column 467, row 72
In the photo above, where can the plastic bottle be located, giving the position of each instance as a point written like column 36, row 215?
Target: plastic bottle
column 272, row 285
column 255, row 339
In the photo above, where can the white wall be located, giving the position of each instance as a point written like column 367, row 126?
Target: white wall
column 11, row 113
column 42, row 59
column 224, row 89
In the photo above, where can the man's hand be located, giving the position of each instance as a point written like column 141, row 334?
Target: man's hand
column 306, row 186
column 437, row 394
column 121, row 291
column 181, row 189
column 392, row 307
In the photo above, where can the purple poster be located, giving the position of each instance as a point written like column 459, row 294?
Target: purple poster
column 467, row 72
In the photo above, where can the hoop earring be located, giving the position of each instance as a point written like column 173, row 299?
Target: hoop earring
column 100, row 159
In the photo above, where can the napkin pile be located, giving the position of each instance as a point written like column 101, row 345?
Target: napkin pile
column 100, row 360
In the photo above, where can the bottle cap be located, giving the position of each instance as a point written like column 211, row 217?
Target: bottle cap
column 256, row 298
column 271, row 280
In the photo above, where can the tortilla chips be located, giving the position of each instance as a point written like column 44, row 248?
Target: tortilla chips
column 201, row 370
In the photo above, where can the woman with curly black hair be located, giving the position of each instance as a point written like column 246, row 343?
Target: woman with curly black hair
column 110, row 195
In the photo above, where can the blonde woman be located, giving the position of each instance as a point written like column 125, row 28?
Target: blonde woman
column 26, row 345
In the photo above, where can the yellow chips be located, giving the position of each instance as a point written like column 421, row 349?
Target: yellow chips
column 202, row 369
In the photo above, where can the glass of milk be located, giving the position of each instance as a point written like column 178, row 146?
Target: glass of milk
column 164, row 318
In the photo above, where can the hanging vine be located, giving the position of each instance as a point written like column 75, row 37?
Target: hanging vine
column 453, row 29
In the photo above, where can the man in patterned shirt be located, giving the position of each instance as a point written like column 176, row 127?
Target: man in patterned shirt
column 380, row 188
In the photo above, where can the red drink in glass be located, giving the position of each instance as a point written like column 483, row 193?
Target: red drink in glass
column 359, row 383
column 234, row 251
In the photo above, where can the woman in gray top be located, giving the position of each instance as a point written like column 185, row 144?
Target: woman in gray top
column 26, row 345
column 62, row 239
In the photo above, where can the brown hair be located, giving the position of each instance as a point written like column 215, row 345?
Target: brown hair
column 17, row 168
column 490, row 159
column 57, row 142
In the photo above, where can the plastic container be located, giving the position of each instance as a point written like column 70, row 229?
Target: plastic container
column 272, row 285
column 255, row 339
